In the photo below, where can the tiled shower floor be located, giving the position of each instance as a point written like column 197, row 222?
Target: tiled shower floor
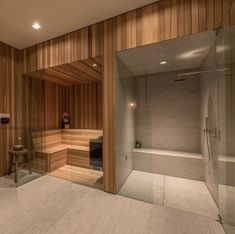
column 182, row 194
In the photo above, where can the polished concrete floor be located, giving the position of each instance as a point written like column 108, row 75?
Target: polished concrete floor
column 52, row 205
column 183, row 194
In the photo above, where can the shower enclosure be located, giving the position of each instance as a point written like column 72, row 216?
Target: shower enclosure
column 175, row 124
column 225, row 64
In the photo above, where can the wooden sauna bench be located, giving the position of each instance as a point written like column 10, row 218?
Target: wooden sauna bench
column 63, row 146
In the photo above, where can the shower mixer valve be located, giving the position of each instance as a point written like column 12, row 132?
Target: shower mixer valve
column 213, row 132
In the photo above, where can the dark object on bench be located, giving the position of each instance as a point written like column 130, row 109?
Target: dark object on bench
column 96, row 152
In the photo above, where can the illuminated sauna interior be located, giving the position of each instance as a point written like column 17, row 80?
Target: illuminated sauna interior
column 63, row 121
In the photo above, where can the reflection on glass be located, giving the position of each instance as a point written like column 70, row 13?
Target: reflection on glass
column 226, row 122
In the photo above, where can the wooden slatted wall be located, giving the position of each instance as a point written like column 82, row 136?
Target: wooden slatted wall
column 84, row 104
column 8, row 60
column 44, row 102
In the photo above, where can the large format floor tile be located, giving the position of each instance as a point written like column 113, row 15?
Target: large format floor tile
column 189, row 195
column 52, row 205
column 183, row 194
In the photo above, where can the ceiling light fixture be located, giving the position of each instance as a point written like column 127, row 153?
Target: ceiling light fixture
column 36, row 26
column 163, row 62
column 94, row 65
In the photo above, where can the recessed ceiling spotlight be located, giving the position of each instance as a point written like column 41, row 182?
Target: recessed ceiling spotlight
column 163, row 62
column 94, row 65
column 36, row 26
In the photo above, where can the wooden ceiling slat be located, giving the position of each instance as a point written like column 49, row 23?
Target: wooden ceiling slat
column 56, row 80
column 87, row 70
column 73, row 72
column 62, row 75
column 90, row 62
column 81, row 72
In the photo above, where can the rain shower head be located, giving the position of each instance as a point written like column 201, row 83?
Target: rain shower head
column 183, row 76
column 179, row 79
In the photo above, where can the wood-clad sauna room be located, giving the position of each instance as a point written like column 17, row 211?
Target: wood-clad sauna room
column 63, row 121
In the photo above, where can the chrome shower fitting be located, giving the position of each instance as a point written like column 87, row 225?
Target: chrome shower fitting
column 212, row 132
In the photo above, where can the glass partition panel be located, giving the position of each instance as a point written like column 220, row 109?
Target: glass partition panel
column 32, row 126
column 226, row 120
column 133, row 131
column 24, row 158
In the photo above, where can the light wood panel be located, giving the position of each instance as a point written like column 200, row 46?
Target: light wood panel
column 8, row 98
column 81, row 72
column 158, row 21
column 56, row 160
column 60, row 147
column 44, row 102
column 84, row 104
column 78, row 158
column 80, row 175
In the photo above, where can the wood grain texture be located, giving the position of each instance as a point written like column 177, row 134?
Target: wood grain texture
column 8, row 98
column 158, row 21
column 43, row 112
column 78, row 158
column 84, row 176
column 84, row 104
column 60, row 147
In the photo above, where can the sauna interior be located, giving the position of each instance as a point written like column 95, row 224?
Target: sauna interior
column 63, row 122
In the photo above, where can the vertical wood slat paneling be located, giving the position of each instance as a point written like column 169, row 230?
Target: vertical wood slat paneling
column 83, row 104
column 218, row 12
column 210, row 16
column 109, row 106
column 202, row 25
column 195, row 18
column 139, row 27
column 163, row 20
column 7, row 101
column 181, row 29
column 174, row 18
column 51, row 100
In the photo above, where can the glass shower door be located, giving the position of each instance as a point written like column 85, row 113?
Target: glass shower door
column 225, row 47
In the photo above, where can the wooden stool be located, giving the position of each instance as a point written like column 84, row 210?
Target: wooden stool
column 14, row 157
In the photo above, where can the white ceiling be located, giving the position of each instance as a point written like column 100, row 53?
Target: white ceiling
column 180, row 54
column 57, row 17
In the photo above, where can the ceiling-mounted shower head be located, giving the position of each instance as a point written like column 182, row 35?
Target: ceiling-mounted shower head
column 179, row 79
column 183, row 76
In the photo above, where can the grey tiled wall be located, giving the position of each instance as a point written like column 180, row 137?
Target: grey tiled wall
column 168, row 112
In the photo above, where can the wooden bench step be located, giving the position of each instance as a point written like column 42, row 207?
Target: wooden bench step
column 59, row 147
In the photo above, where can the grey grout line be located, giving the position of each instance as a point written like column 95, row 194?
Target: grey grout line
column 164, row 186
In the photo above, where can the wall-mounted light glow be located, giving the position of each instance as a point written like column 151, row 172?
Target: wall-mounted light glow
column 132, row 104
column 163, row 62
column 36, row 26
column 94, row 65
